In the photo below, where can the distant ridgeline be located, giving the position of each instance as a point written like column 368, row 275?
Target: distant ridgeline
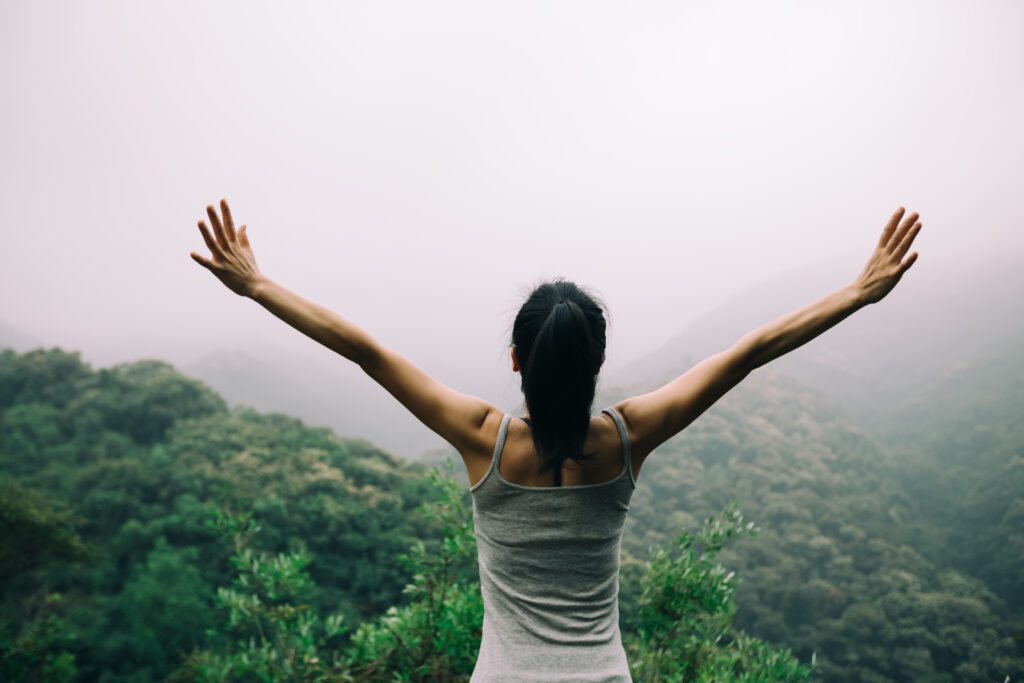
column 150, row 532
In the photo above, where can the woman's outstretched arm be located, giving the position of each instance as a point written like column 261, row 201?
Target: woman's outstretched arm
column 881, row 273
column 456, row 417
column 656, row 416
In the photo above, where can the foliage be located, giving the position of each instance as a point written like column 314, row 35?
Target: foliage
column 685, row 631
column 895, row 557
column 272, row 634
column 853, row 565
column 436, row 636
column 133, row 459
column 35, row 531
column 684, row 620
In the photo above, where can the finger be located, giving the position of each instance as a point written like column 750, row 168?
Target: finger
column 890, row 227
column 243, row 237
column 909, row 262
column 901, row 232
column 218, row 229
column 908, row 239
column 203, row 261
column 210, row 242
column 229, row 225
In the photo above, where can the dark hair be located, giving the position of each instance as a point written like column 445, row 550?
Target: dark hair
column 559, row 335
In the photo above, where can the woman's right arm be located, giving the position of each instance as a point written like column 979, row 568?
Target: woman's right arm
column 656, row 416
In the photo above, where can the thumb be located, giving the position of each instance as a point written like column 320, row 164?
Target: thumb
column 243, row 236
column 909, row 262
column 202, row 260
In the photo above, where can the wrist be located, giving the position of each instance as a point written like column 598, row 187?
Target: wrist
column 855, row 295
column 257, row 288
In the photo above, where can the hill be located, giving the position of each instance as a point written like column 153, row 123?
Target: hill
column 141, row 455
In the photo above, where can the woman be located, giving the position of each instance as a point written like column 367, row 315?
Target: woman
column 551, row 489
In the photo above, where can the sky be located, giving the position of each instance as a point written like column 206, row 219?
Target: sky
column 417, row 166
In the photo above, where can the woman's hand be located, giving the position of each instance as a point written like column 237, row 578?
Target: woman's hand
column 887, row 265
column 233, row 261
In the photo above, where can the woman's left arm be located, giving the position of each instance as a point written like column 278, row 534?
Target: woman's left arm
column 457, row 417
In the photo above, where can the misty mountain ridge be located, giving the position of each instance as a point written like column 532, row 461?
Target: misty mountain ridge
column 929, row 326
column 874, row 357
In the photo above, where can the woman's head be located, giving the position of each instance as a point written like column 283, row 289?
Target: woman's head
column 558, row 340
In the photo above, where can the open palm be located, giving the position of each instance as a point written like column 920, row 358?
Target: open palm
column 233, row 262
column 887, row 265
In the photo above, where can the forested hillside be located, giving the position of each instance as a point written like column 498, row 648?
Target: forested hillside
column 151, row 532
column 889, row 564
column 139, row 453
column 148, row 532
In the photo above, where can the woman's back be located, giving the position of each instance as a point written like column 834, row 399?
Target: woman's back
column 549, row 574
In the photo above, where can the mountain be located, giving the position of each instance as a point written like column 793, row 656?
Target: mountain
column 881, row 561
column 884, row 460
column 936, row 320
column 134, row 463
column 337, row 395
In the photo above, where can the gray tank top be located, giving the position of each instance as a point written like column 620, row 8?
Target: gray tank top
column 549, row 575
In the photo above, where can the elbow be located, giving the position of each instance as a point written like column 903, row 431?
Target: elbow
column 368, row 356
column 745, row 355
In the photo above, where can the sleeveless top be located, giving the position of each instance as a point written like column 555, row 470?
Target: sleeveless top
column 549, row 575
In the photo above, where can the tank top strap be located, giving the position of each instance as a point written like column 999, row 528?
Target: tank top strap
column 620, row 424
column 496, row 455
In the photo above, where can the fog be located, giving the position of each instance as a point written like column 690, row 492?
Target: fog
column 417, row 166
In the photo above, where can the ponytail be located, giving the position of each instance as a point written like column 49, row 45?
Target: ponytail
column 559, row 367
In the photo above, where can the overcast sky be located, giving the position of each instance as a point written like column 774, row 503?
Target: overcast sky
column 415, row 166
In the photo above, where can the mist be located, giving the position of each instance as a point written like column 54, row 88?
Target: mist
column 417, row 167
column 190, row 489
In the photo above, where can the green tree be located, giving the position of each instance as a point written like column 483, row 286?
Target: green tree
column 271, row 634
column 684, row 628
column 33, row 634
column 685, row 614
column 436, row 636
